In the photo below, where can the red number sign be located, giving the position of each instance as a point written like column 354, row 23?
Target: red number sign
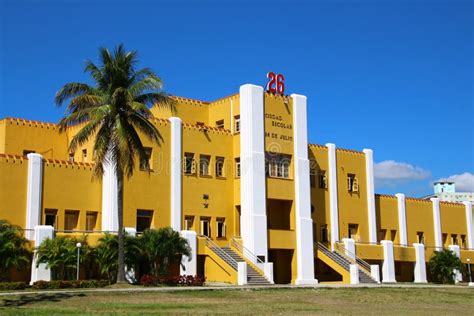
column 275, row 83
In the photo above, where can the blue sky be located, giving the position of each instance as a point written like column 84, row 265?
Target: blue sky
column 394, row 76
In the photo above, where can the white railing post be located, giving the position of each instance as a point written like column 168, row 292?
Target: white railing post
column 375, row 272
column 354, row 272
column 241, row 273
column 40, row 272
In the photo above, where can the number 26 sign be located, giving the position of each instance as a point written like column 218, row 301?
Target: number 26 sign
column 275, row 83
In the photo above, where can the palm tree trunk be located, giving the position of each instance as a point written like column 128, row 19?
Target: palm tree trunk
column 121, row 250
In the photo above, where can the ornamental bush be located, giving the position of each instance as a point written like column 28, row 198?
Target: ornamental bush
column 80, row 284
column 442, row 266
column 13, row 249
column 178, row 280
column 12, row 286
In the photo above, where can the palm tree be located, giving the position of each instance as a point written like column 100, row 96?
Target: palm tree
column 112, row 113
column 13, row 248
column 163, row 247
column 60, row 255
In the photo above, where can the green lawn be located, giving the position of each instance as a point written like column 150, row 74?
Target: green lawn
column 341, row 301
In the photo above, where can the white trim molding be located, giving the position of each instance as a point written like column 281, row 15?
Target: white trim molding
column 33, row 194
column 469, row 224
column 402, row 219
column 304, row 222
column 437, row 224
column 253, row 218
column 333, row 207
column 176, row 173
column 369, row 172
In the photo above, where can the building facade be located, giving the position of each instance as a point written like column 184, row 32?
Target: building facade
column 445, row 191
column 238, row 178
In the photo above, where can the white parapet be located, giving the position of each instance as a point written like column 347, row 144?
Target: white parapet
column 189, row 264
column 369, row 171
column 109, row 196
column 349, row 247
column 437, row 224
column 253, row 220
column 457, row 251
column 375, row 272
column 40, row 272
column 402, row 219
column 304, row 222
column 241, row 273
column 420, row 264
column 388, row 266
column 469, row 224
column 333, row 207
column 354, row 273
column 33, row 194
column 175, row 173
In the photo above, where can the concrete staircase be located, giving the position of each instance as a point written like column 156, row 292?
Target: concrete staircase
column 342, row 261
column 253, row 276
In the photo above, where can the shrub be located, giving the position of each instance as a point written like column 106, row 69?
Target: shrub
column 14, row 251
column 81, row 284
column 12, row 286
column 181, row 280
column 443, row 265
column 148, row 280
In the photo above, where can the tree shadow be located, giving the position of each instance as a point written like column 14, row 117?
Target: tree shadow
column 33, row 298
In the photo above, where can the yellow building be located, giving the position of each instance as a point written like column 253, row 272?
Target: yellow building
column 239, row 180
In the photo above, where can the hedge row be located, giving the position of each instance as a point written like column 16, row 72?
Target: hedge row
column 183, row 280
column 11, row 286
column 80, row 284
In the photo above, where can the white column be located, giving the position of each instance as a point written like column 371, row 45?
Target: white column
column 130, row 272
column 470, row 225
column 253, row 219
column 41, row 232
column 437, row 224
column 190, row 263
column 354, row 273
column 304, row 222
column 33, row 193
column 333, row 208
column 457, row 251
column 175, row 173
column 109, row 197
column 402, row 219
column 420, row 264
column 375, row 272
column 349, row 247
column 268, row 271
column 388, row 266
column 241, row 273
column 369, row 172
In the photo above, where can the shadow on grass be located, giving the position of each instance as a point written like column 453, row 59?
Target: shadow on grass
column 34, row 298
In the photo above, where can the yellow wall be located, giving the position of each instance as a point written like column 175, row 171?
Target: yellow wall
column 387, row 217
column 13, row 181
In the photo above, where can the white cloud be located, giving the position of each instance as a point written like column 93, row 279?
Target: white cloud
column 463, row 182
column 390, row 170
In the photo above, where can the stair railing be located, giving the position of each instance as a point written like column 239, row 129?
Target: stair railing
column 218, row 251
column 352, row 257
column 247, row 254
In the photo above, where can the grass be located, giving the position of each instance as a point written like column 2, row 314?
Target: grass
column 339, row 301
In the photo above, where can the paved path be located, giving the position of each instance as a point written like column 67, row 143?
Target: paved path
column 231, row 288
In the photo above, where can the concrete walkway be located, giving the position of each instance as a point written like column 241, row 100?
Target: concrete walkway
column 233, row 288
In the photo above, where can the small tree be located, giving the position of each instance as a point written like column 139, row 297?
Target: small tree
column 163, row 247
column 13, row 249
column 106, row 255
column 442, row 266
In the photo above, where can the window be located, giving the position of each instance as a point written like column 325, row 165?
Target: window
column 84, row 155
column 420, row 237
column 322, row 180
column 324, row 233
column 454, row 239
column 463, row 241
column 353, row 231
column 91, row 220
column 237, row 124
column 26, row 152
column 71, row 157
column 199, row 123
column 50, row 217
column 146, row 165
column 204, row 165
column 188, row 222
column 219, row 166
column 393, row 234
column 189, row 164
column 71, row 218
column 382, row 234
column 445, row 239
column 278, row 165
column 237, row 167
column 220, row 124
column 205, row 227
column 220, row 227
column 352, row 183
column 144, row 218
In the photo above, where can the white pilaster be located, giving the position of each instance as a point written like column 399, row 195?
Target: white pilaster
column 33, row 193
column 304, row 222
column 420, row 264
column 437, row 224
column 388, row 266
column 190, row 263
column 402, row 219
column 375, row 272
column 130, row 272
column 175, row 173
column 42, row 272
column 241, row 273
column 354, row 273
column 109, row 197
column 253, row 218
column 332, row 179
column 470, row 225
column 349, row 247
column 457, row 251
column 369, row 172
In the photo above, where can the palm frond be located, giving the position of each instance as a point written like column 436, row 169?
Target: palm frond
column 70, row 90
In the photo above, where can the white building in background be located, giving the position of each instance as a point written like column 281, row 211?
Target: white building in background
column 446, row 192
